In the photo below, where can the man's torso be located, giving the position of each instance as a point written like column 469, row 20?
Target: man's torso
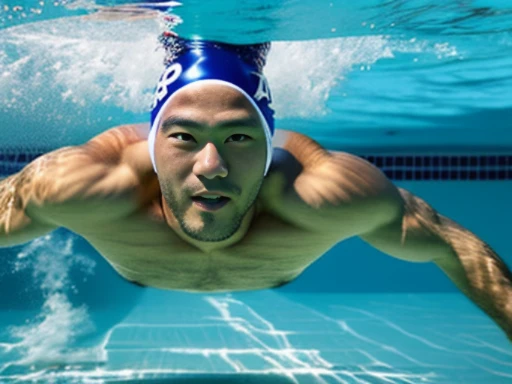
column 142, row 248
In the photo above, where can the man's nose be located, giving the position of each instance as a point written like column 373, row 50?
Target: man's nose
column 210, row 163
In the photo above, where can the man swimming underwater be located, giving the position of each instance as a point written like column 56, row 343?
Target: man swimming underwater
column 214, row 206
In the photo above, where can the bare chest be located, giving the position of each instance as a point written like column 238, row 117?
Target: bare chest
column 149, row 253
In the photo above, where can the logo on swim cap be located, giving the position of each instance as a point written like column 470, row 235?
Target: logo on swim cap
column 173, row 72
column 170, row 75
column 263, row 90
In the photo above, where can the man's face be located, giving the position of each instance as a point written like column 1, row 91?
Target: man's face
column 210, row 143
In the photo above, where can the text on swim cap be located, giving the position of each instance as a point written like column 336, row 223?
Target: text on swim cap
column 174, row 71
column 263, row 90
column 171, row 74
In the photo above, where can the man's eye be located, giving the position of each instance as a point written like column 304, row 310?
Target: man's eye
column 238, row 138
column 183, row 136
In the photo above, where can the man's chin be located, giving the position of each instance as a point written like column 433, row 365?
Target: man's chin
column 211, row 227
column 207, row 236
column 211, row 231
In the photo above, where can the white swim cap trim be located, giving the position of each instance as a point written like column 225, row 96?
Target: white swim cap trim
column 155, row 126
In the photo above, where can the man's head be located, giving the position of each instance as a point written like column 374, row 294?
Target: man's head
column 210, row 139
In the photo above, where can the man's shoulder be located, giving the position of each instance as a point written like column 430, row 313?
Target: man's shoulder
column 303, row 148
column 293, row 155
column 333, row 193
column 106, row 172
column 111, row 145
column 123, row 146
column 283, row 137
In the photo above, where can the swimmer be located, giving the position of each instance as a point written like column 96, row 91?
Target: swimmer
column 209, row 197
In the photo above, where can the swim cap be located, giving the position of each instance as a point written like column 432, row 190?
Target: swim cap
column 217, row 63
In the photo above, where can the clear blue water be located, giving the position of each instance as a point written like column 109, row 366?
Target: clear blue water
column 421, row 73
column 368, row 77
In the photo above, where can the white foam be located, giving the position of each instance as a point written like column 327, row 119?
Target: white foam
column 440, row 50
column 118, row 63
column 46, row 339
column 73, row 74
column 303, row 74
column 85, row 62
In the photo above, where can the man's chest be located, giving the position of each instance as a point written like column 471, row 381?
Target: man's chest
column 272, row 253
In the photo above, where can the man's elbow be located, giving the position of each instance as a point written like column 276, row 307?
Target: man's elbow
column 413, row 232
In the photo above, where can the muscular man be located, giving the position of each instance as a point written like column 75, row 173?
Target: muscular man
column 204, row 202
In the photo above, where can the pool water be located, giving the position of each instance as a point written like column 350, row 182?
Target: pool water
column 422, row 89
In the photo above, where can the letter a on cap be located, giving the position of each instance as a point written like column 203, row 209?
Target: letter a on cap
column 263, row 90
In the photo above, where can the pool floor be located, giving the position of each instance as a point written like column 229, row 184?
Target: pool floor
column 278, row 337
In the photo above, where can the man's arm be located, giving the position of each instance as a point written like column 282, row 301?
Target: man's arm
column 73, row 187
column 418, row 233
column 334, row 194
column 46, row 193
column 16, row 226
column 340, row 195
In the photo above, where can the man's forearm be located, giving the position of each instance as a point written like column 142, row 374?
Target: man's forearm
column 478, row 272
column 8, row 203
column 15, row 226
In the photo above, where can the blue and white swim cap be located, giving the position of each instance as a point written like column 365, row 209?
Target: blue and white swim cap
column 217, row 63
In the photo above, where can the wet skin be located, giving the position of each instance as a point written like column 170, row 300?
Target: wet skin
column 156, row 229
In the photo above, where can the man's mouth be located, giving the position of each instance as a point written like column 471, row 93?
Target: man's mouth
column 210, row 202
